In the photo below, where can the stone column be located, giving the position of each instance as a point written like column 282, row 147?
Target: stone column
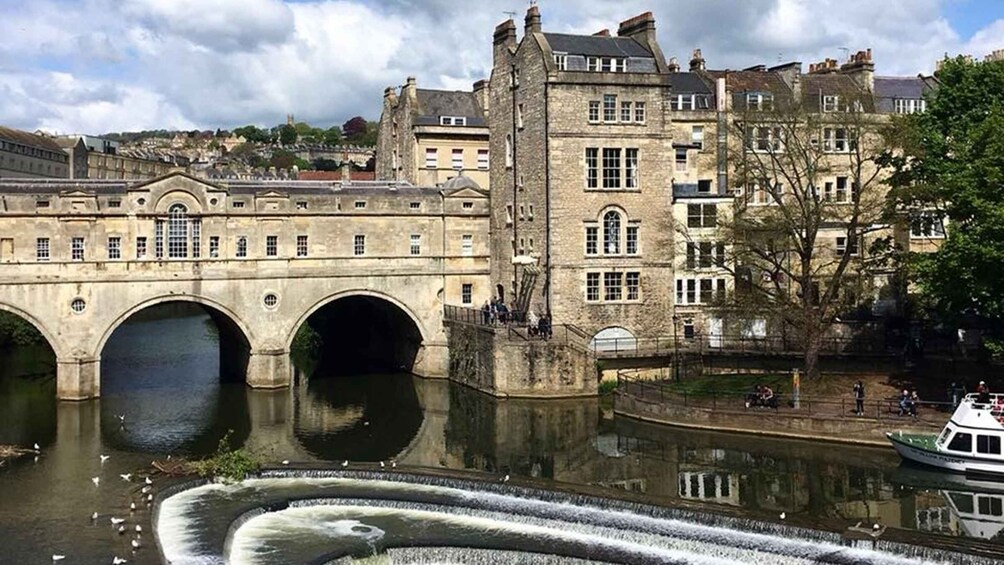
column 269, row 368
column 433, row 361
column 78, row 378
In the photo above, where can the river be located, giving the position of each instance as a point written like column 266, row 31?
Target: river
column 161, row 394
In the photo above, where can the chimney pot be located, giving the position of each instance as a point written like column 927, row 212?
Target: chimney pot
column 532, row 20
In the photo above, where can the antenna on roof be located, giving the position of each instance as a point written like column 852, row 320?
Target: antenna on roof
column 510, row 14
column 847, row 52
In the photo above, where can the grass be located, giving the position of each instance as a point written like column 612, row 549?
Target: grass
column 730, row 384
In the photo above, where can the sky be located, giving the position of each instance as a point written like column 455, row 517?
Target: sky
column 97, row 66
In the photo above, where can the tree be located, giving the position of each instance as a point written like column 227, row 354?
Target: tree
column 246, row 153
column 322, row 164
column 355, row 127
column 952, row 166
column 812, row 200
column 254, row 134
column 282, row 159
column 332, row 136
column 287, row 134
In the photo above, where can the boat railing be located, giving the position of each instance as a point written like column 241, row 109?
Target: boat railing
column 992, row 402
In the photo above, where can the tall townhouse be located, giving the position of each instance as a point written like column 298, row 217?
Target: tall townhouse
column 582, row 223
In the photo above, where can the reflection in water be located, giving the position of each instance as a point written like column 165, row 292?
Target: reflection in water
column 162, row 374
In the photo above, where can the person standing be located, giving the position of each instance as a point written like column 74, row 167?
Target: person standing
column 983, row 393
column 859, row 398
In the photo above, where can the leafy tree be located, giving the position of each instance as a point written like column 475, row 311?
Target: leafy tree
column 247, row 153
column 355, row 127
column 953, row 164
column 302, row 164
column 332, row 136
column 254, row 134
column 287, row 135
column 282, row 159
column 798, row 236
column 322, row 164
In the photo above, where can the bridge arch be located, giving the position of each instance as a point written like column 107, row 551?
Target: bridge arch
column 348, row 294
column 54, row 344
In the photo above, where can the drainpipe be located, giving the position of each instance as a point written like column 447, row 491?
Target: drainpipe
column 515, row 182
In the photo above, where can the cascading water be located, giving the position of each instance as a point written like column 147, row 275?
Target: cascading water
column 369, row 517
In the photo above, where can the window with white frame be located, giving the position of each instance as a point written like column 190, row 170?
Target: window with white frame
column 561, row 61
column 592, row 287
column 612, row 233
column 467, row 293
column 705, row 254
column 702, row 215
column 77, row 249
column 301, row 245
column 681, row 160
column 631, row 240
column 759, row 101
column 836, row 140
column 467, row 245
column 483, row 159
column 847, row 246
column 631, row 167
column 616, row 286
column 431, row 158
column 242, row 246
column 592, row 167
column 699, row 290
column 594, row 111
column 592, row 240
column 177, row 232
column 271, row 245
column 697, row 136
column 683, row 102
column 909, row 105
column 415, row 244
column 358, row 244
column 606, row 64
column 609, row 108
column 141, row 247
column 612, row 167
column 613, row 286
column 764, row 139
column 458, row 159
column 42, row 249
column 927, row 225
column 115, row 247
column 842, row 192
column 831, row 103
column 452, row 121
column 632, row 285
column 639, row 112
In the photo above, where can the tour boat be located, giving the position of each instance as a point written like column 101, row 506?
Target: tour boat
column 970, row 443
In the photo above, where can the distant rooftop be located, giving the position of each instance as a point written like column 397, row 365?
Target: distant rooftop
column 596, row 45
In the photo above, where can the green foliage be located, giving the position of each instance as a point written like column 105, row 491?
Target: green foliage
column 332, row 136
column 15, row 331
column 229, row 464
column 282, row 159
column 287, row 134
column 247, row 153
column 302, row 164
column 954, row 161
column 607, row 387
column 254, row 134
column 322, row 164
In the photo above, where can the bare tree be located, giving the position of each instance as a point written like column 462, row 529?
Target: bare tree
column 812, row 198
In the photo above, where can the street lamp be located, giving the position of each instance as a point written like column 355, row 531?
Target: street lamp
column 676, row 350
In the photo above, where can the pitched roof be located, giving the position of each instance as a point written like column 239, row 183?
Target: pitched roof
column 815, row 86
column 888, row 89
column 438, row 103
column 688, row 82
column 29, row 139
column 753, row 81
column 596, row 45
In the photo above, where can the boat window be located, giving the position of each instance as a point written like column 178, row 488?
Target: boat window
column 963, row 502
column 961, row 442
column 990, row 505
column 988, row 444
column 944, row 436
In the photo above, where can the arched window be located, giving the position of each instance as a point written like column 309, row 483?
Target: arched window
column 177, row 232
column 611, row 233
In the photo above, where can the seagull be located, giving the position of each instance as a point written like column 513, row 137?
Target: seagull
column 145, row 490
column 126, row 476
column 104, row 457
column 366, row 423
column 505, row 479
column 121, row 530
column 139, row 528
column 876, row 527
column 149, row 498
column 95, row 480
column 38, row 449
column 783, row 515
column 285, row 461
column 393, row 464
column 381, row 465
column 117, row 521
column 121, row 417
column 132, row 506
column 58, row 557
column 94, row 516
column 118, row 560
column 148, row 481
column 135, row 544
column 345, row 463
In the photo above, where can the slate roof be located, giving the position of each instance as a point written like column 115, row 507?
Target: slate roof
column 436, row 103
column 814, row 87
column 30, row 139
column 888, row 89
column 596, row 45
column 753, row 81
column 689, row 83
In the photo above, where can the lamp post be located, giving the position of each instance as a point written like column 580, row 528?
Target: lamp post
column 676, row 350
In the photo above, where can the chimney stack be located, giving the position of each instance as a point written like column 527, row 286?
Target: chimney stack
column 641, row 28
column 481, row 90
column 602, row 33
column 532, row 21
column 674, row 65
column 861, row 69
column 505, row 34
column 697, row 61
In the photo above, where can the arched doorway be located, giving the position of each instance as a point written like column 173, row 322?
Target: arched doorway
column 27, row 381
column 357, row 333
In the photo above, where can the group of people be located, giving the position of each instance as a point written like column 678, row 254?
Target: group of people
column 538, row 325
column 908, row 402
column 496, row 312
column 761, row 395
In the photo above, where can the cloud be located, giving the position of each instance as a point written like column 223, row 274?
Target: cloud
column 105, row 65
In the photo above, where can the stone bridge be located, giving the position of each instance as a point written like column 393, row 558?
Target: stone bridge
column 79, row 258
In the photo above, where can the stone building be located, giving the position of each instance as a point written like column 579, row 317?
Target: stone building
column 581, row 211
column 430, row 136
column 28, row 155
column 96, row 158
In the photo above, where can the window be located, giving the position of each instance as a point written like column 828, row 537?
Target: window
column 841, row 189
column 177, row 232
column 699, row 290
column 41, row 204
column 561, row 61
column 214, row 246
column 42, row 249
column 961, row 442
column 592, row 167
column 697, row 136
column 141, row 247
column 764, row 139
column 467, row 245
column 989, row 506
column 242, row 246
column 431, row 158
column 631, row 240
column 843, row 248
column 594, row 110
column 835, row 140
column 358, row 244
column 639, row 112
column 609, row 108
column 77, row 249
column 508, row 214
column 483, row 159
column 529, row 214
column 681, row 160
column 625, row 112
column 508, row 150
column 927, row 225
column 606, row 64
column 759, row 101
column 196, row 237
column 519, row 116
column 612, row 233
column 611, row 167
column 452, row 121
column 592, row 287
column 237, row 204
column 831, row 103
column 632, row 283
column 466, row 293
column 301, row 246
column 415, row 205
column 592, row 235
column 115, row 247
column 271, row 245
column 114, row 203
column 704, row 186
column 631, row 167
column 682, row 102
column 301, row 205
column 702, row 215
column 612, row 286
column 359, row 204
column 416, row 244
column 458, row 159
column 909, row 105
column 988, row 444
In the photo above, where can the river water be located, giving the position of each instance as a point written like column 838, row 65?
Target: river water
column 161, row 395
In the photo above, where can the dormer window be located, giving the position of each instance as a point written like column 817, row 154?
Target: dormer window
column 759, row 101
column 561, row 61
column 452, row 121
column 606, row 64
column 831, row 103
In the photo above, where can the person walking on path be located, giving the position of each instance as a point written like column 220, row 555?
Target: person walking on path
column 859, row 398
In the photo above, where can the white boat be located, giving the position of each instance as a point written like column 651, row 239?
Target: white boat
column 970, row 443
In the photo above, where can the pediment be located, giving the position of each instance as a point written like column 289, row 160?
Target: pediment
column 466, row 193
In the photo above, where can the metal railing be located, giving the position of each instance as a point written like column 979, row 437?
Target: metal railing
column 728, row 343
column 877, row 409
